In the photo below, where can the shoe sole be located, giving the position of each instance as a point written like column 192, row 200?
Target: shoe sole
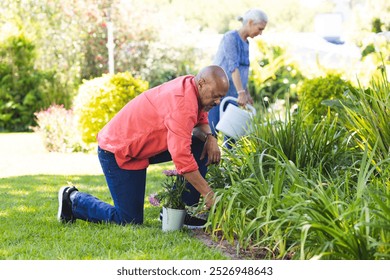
column 60, row 198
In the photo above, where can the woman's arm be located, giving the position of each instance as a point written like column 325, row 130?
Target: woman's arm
column 236, row 77
column 243, row 95
column 232, row 54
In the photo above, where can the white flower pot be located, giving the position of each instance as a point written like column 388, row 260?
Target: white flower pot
column 173, row 219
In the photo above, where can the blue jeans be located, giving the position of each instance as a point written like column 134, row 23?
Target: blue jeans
column 127, row 188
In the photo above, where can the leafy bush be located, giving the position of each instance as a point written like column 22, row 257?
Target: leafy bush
column 19, row 84
column 314, row 91
column 99, row 99
column 378, row 26
column 273, row 75
column 57, row 127
column 23, row 88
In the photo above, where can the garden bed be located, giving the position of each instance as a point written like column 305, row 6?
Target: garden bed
column 228, row 249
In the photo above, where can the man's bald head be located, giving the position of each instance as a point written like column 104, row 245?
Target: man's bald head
column 214, row 73
column 213, row 84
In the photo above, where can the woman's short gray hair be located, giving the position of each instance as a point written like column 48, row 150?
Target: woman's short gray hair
column 254, row 14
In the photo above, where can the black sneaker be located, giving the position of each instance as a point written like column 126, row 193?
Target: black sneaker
column 65, row 214
column 192, row 222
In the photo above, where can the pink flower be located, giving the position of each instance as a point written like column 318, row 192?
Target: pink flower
column 154, row 200
column 171, row 172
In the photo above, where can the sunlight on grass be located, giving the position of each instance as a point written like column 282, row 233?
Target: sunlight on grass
column 25, row 209
column 18, row 192
column 31, row 231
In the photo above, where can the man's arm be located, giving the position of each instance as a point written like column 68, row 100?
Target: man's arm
column 211, row 148
column 201, row 132
column 201, row 185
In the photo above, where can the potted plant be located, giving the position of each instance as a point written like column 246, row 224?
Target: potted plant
column 173, row 211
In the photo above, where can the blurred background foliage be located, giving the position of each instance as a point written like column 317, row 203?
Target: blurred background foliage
column 61, row 43
column 311, row 181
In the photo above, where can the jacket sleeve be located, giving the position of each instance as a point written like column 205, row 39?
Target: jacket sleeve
column 180, row 125
column 203, row 118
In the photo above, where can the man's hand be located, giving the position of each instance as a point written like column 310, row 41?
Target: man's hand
column 209, row 200
column 201, row 185
column 211, row 149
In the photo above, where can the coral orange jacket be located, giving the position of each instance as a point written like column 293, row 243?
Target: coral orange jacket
column 160, row 119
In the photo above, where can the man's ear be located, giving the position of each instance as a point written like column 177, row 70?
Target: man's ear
column 201, row 82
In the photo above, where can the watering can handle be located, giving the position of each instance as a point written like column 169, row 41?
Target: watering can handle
column 231, row 98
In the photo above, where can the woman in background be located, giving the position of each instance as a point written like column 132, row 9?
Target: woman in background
column 233, row 57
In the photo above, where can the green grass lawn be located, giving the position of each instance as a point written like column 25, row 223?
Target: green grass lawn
column 30, row 230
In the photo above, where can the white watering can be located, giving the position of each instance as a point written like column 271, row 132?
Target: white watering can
column 234, row 121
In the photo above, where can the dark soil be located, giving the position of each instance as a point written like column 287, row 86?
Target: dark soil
column 228, row 249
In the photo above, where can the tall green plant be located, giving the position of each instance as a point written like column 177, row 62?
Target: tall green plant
column 308, row 145
column 301, row 191
column 303, row 214
column 365, row 113
column 247, row 207
column 345, row 219
column 257, row 177
column 379, row 194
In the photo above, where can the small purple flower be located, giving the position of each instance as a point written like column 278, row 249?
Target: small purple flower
column 154, row 200
column 170, row 172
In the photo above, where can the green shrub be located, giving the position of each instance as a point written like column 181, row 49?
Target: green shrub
column 57, row 127
column 314, row 91
column 23, row 88
column 19, row 84
column 273, row 75
column 99, row 99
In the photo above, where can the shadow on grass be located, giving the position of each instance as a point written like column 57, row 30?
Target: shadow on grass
column 30, row 230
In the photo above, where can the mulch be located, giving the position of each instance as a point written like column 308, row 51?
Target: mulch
column 228, row 249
